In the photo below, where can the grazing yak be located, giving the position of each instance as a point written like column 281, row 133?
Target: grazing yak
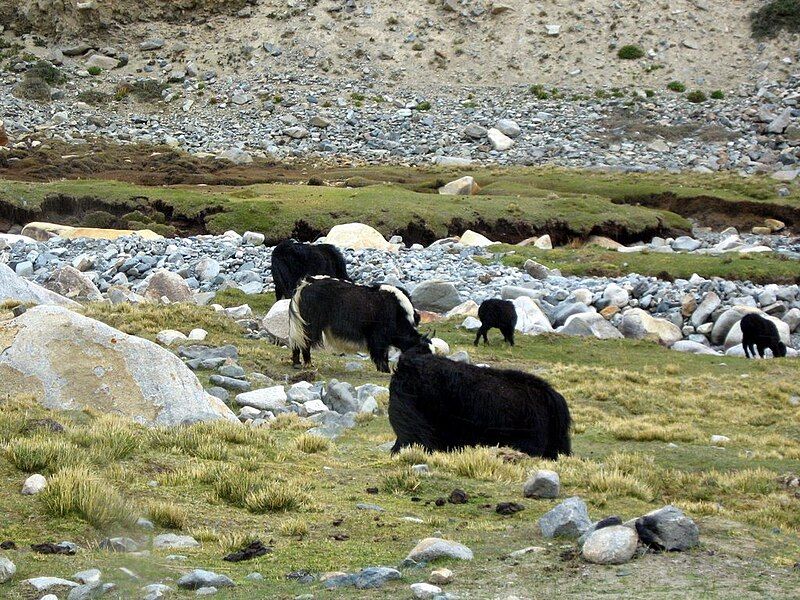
column 291, row 261
column 330, row 312
column 500, row 314
column 761, row 333
column 444, row 405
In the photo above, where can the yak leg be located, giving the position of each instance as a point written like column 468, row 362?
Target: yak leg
column 747, row 350
column 761, row 350
column 296, row 358
column 481, row 331
column 508, row 335
column 307, row 356
column 378, row 346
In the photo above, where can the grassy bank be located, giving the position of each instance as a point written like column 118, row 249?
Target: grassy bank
column 643, row 418
column 594, row 261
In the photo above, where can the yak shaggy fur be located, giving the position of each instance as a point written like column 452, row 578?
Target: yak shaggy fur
column 444, row 405
column 340, row 314
column 501, row 314
column 292, row 261
column 761, row 333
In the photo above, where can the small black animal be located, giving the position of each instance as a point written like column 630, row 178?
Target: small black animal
column 761, row 333
column 292, row 261
column 330, row 312
column 500, row 314
column 444, row 405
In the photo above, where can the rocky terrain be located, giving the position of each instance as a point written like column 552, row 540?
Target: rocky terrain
column 639, row 162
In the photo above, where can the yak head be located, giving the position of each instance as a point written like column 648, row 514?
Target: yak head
column 778, row 349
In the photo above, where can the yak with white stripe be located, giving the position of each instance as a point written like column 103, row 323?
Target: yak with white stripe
column 292, row 261
column 445, row 405
column 342, row 315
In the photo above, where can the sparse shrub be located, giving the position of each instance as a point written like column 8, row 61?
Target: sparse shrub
column 39, row 453
column 144, row 90
column 630, row 52
column 167, row 515
column 76, row 491
column 404, row 481
column 312, row 444
column 167, row 231
column 32, row 88
column 424, row 105
column 296, row 528
column 137, row 216
column 676, row 86
column 47, row 72
column 696, row 96
column 539, row 92
column 98, row 218
column 276, row 496
column 356, row 97
column 94, row 71
column 315, row 181
column 775, row 16
column 649, row 93
column 717, row 95
column 94, row 97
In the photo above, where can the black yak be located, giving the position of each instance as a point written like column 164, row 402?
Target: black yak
column 500, row 314
column 330, row 312
column 291, row 261
column 761, row 333
column 444, row 405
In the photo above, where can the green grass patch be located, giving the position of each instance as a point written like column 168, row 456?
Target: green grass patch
column 599, row 262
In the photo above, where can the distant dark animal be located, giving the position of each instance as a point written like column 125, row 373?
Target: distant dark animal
column 444, row 405
column 761, row 333
column 292, row 261
column 339, row 314
column 500, row 314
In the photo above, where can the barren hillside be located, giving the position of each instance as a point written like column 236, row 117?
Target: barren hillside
column 570, row 44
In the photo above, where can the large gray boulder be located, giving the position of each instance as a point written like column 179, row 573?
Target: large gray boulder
column 15, row 288
column 80, row 362
column 639, row 324
column 165, row 284
column 430, row 549
column 613, row 545
column 530, row 318
column 568, row 519
column 69, row 282
column 276, row 322
column 436, row 296
column 703, row 312
column 590, row 324
column 566, row 309
column 668, row 529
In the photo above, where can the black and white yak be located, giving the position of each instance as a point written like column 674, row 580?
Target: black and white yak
column 500, row 314
column 445, row 405
column 760, row 333
column 342, row 315
column 292, row 261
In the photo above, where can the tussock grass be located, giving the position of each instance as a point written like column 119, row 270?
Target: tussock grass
column 167, row 514
column 78, row 492
column 477, row 463
column 110, row 437
column 312, row 444
column 277, row 496
column 403, row 481
column 294, row 527
column 413, row 455
column 641, row 429
column 231, row 541
column 289, row 422
column 40, row 453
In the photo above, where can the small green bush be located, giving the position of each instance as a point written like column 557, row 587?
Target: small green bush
column 99, row 219
column 717, row 95
column 696, row 96
column 32, row 88
column 630, row 52
column 94, row 97
column 539, row 91
column 676, row 86
column 774, row 17
column 424, row 105
column 45, row 71
column 649, row 93
column 94, row 71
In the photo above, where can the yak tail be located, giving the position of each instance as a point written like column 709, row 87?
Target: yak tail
column 282, row 276
column 298, row 337
column 560, row 425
